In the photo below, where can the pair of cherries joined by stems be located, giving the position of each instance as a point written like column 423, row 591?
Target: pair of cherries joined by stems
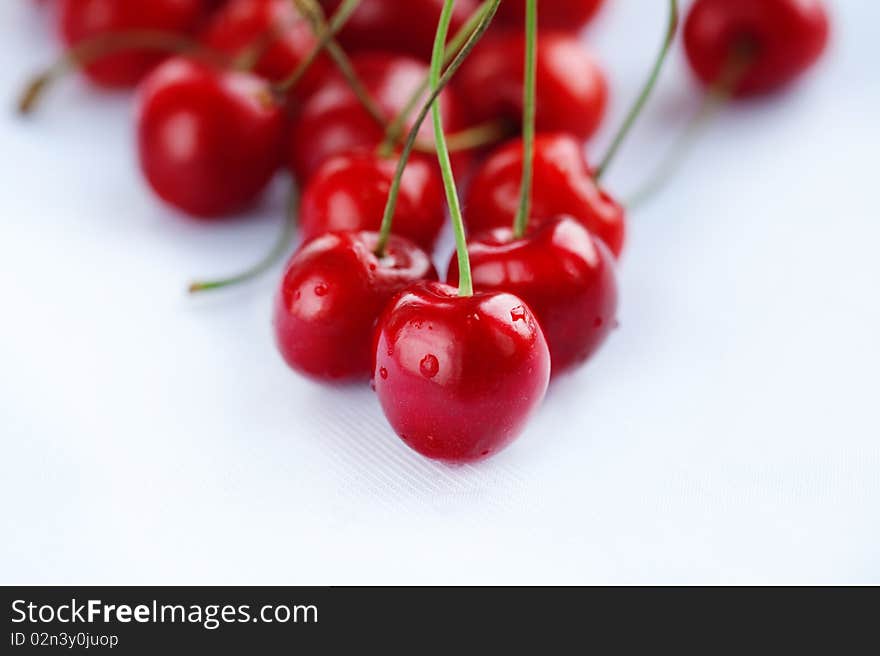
column 458, row 367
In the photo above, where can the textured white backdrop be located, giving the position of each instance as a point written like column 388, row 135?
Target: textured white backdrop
column 729, row 432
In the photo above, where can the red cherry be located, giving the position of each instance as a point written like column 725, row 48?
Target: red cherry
column 563, row 185
column 333, row 121
column 209, row 139
column 349, row 192
column 570, row 15
column 782, row 37
column 331, row 295
column 241, row 24
column 406, row 27
column 85, row 19
column 564, row 274
column 572, row 91
column 458, row 377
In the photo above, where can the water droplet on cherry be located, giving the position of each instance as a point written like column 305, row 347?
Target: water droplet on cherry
column 321, row 289
column 429, row 366
column 383, row 372
column 518, row 313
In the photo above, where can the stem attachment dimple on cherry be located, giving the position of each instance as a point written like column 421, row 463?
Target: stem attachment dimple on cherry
column 409, row 145
column 530, row 83
column 647, row 90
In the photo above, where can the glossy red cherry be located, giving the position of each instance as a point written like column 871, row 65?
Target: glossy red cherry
column 331, row 295
column 209, row 140
column 85, row 19
column 349, row 192
column 570, row 15
column 242, row 24
column 458, row 377
column 780, row 39
column 333, row 121
column 401, row 26
column 564, row 274
column 563, row 186
column 572, row 90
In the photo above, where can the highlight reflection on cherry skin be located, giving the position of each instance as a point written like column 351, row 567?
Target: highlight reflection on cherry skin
column 331, row 294
column 459, row 377
column 563, row 186
column 566, row 276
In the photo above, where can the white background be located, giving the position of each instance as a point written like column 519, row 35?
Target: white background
column 729, row 431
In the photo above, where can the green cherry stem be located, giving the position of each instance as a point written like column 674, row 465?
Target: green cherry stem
column 409, row 146
column 466, row 286
column 90, row 50
column 530, row 82
column 337, row 22
column 282, row 245
column 397, row 126
column 647, row 90
column 318, row 20
column 738, row 63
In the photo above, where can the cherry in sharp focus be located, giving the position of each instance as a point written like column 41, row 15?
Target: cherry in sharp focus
column 331, row 295
column 565, row 275
column 459, row 376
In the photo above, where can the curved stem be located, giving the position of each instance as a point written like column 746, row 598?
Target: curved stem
column 337, row 22
column 88, row 51
column 316, row 17
column 530, row 81
column 466, row 287
column 716, row 98
column 636, row 110
column 397, row 126
column 272, row 257
column 452, row 69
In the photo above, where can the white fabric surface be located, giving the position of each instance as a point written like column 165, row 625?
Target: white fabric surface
column 729, row 431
